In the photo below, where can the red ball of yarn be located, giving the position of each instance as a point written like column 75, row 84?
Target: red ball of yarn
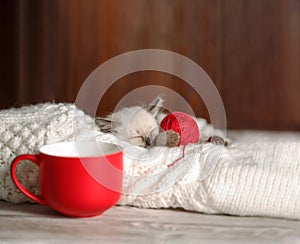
column 184, row 125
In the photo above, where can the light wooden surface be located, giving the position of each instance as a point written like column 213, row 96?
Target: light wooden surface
column 30, row 223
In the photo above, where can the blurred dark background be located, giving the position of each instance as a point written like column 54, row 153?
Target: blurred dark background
column 249, row 48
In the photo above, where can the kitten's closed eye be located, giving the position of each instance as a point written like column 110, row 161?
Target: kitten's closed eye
column 140, row 141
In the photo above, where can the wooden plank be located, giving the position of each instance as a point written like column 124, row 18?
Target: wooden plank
column 288, row 108
column 8, row 53
column 249, row 49
column 250, row 62
column 29, row 222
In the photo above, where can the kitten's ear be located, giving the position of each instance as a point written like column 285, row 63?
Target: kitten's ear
column 105, row 124
column 155, row 106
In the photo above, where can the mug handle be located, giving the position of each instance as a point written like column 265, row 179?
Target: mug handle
column 34, row 159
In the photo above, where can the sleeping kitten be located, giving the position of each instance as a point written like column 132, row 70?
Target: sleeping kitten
column 138, row 125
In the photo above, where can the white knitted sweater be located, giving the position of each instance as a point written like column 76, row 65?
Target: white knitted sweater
column 258, row 178
column 25, row 130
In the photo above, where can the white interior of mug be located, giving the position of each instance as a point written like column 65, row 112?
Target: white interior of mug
column 80, row 149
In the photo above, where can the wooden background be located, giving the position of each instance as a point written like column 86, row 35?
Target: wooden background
column 249, row 48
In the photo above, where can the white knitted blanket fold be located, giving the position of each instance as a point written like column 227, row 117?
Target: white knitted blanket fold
column 247, row 180
column 253, row 178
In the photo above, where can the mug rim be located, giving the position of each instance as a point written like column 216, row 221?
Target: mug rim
column 114, row 149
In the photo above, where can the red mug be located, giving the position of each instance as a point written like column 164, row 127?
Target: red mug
column 77, row 179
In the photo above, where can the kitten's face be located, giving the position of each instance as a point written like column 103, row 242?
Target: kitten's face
column 142, row 129
column 136, row 125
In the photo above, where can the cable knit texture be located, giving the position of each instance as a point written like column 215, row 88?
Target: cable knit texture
column 249, row 180
column 258, row 177
column 25, row 130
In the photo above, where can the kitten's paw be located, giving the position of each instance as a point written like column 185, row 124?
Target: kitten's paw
column 217, row 140
column 167, row 138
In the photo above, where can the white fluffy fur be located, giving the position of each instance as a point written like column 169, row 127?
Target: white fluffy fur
column 137, row 125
